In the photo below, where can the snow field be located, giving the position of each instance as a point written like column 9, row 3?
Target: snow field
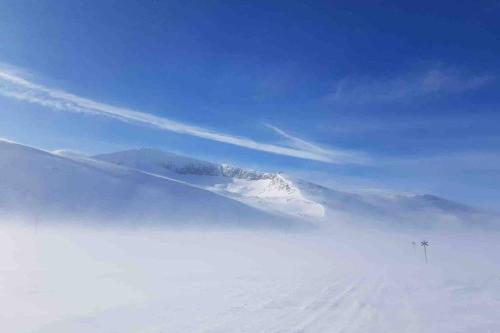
column 152, row 281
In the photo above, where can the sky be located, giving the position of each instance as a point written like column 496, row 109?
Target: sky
column 397, row 96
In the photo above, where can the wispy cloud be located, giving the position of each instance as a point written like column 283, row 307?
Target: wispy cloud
column 17, row 87
column 424, row 83
column 298, row 143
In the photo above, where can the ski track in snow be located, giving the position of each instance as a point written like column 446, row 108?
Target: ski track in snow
column 104, row 283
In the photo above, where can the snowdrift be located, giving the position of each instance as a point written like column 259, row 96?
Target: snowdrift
column 40, row 186
column 146, row 186
column 281, row 194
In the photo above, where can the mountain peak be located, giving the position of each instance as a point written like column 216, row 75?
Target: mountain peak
column 160, row 162
column 279, row 193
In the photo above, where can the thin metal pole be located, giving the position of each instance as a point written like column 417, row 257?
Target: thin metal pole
column 425, row 243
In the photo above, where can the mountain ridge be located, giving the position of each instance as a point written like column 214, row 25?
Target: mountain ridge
column 151, row 185
column 40, row 185
column 287, row 195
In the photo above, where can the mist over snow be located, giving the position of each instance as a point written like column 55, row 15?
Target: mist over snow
column 153, row 242
column 336, row 166
column 67, row 188
column 79, row 280
column 149, row 187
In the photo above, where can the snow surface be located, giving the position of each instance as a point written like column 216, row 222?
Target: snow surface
column 58, row 280
column 269, row 191
column 147, row 186
column 280, row 193
column 354, row 272
column 49, row 188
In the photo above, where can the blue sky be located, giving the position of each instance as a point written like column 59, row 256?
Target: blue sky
column 399, row 96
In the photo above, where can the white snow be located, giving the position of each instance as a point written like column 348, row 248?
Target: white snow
column 59, row 280
column 354, row 272
column 281, row 194
column 49, row 188
column 269, row 191
column 151, row 187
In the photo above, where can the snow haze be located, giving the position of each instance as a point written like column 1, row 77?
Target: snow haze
column 149, row 241
column 61, row 280
column 249, row 166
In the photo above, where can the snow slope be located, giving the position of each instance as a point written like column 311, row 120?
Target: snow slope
column 42, row 186
column 280, row 193
column 395, row 209
column 149, row 186
column 340, row 278
column 273, row 192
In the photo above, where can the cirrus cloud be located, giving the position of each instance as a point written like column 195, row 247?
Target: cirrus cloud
column 17, row 87
column 423, row 83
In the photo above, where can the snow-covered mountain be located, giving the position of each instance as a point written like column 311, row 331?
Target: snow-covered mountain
column 151, row 186
column 272, row 192
column 62, row 186
column 280, row 193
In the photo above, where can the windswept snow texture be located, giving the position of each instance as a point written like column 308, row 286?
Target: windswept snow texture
column 47, row 187
column 279, row 193
column 148, row 186
column 337, row 277
column 270, row 191
column 81, row 281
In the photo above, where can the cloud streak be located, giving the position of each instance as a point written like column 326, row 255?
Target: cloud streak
column 14, row 86
column 298, row 143
column 430, row 82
